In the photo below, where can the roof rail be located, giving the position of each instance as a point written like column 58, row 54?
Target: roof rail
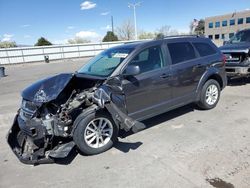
column 175, row 36
column 172, row 36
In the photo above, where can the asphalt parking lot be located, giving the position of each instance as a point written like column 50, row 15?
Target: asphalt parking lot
column 182, row 148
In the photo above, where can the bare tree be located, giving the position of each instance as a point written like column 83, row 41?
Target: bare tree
column 7, row 44
column 125, row 31
column 146, row 35
column 165, row 31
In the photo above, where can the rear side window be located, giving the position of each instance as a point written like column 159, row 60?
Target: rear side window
column 180, row 52
column 204, row 49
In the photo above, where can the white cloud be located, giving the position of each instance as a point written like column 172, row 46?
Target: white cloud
column 87, row 5
column 25, row 25
column 70, row 27
column 87, row 34
column 106, row 28
column 7, row 37
column 105, row 13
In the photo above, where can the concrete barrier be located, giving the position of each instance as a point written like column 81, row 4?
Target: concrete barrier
column 54, row 52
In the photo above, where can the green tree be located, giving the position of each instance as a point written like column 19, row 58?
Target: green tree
column 200, row 29
column 43, row 42
column 7, row 44
column 110, row 36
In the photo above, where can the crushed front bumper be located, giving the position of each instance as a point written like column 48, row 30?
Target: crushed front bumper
column 31, row 145
column 237, row 71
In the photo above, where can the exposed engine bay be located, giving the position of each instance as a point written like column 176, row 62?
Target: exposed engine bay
column 57, row 118
column 237, row 57
column 44, row 125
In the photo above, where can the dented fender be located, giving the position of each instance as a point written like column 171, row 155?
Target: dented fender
column 103, row 97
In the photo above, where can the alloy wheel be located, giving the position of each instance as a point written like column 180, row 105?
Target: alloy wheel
column 98, row 132
column 212, row 94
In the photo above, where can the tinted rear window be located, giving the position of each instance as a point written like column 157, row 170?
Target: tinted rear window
column 180, row 52
column 204, row 49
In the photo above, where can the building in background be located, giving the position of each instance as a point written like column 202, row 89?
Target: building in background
column 222, row 28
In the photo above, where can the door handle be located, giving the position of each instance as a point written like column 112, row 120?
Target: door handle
column 198, row 66
column 165, row 76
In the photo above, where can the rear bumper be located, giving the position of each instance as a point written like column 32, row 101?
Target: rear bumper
column 37, row 149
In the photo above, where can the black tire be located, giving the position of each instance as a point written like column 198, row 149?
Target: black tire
column 203, row 104
column 79, row 134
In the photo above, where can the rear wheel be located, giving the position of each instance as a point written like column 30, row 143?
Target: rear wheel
column 95, row 133
column 210, row 95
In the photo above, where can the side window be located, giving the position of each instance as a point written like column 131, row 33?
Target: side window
column 181, row 51
column 149, row 59
column 143, row 56
column 204, row 49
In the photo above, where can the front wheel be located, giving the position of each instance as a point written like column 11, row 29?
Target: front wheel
column 95, row 133
column 210, row 95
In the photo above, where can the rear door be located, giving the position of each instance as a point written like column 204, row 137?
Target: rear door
column 187, row 69
column 147, row 92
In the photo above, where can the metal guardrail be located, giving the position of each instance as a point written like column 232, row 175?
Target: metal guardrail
column 55, row 52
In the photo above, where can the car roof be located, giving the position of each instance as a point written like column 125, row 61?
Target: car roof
column 141, row 44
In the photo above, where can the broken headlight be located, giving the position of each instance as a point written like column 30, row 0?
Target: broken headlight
column 28, row 109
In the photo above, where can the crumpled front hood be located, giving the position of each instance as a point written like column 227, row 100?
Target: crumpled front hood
column 244, row 46
column 47, row 89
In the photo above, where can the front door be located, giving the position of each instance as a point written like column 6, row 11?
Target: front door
column 147, row 92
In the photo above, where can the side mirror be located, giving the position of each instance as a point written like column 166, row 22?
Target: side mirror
column 132, row 70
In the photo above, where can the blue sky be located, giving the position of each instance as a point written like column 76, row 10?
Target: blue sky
column 24, row 21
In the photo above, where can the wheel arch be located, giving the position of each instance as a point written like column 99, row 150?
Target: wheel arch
column 88, row 111
column 216, row 77
column 208, row 75
column 84, row 113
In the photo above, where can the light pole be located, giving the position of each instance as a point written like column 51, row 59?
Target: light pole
column 134, row 5
column 112, row 24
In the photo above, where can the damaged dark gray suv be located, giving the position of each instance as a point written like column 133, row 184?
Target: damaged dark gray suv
column 116, row 90
column 237, row 52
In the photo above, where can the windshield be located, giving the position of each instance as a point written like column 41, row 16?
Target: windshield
column 106, row 62
column 242, row 36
